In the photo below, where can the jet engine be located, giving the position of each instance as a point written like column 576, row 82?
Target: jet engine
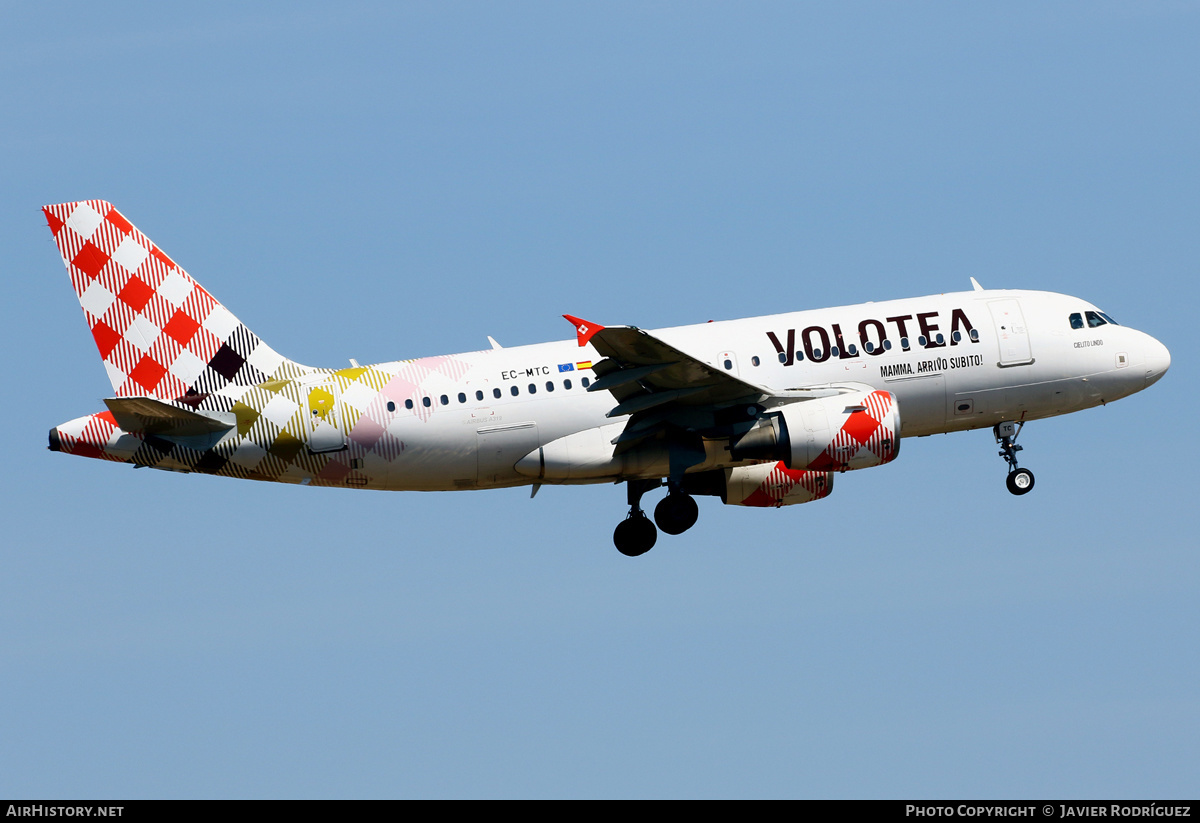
column 763, row 485
column 855, row 430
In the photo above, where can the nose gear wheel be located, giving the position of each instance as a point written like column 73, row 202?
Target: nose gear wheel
column 1019, row 481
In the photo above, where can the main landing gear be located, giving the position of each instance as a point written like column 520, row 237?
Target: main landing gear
column 674, row 514
column 1020, row 481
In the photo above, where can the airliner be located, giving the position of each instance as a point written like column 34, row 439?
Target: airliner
column 760, row 412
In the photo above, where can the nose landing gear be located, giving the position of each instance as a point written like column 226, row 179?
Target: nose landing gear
column 1019, row 481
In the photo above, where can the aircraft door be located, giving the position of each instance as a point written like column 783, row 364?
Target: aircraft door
column 1011, row 332
column 324, row 434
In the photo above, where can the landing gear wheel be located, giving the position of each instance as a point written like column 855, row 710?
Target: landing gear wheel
column 1020, row 481
column 635, row 535
column 676, row 513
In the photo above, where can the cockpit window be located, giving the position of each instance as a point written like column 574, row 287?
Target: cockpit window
column 1077, row 320
column 1109, row 319
column 1094, row 319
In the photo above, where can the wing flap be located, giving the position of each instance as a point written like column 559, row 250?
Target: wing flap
column 643, row 402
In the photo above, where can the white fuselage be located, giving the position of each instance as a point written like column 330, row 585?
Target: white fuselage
column 514, row 416
column 760, row 412
column 1023, row 362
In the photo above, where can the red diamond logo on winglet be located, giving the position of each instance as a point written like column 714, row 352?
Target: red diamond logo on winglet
column 583, row 329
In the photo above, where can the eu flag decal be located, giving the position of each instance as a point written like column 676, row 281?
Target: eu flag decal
column 562, row 367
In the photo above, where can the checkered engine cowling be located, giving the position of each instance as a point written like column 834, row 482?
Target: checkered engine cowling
column 773, row 485
column 855, row 430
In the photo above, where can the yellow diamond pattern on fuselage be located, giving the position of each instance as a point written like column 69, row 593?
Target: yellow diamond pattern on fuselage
column 247, row 416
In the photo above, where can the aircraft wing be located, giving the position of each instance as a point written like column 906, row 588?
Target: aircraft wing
column 661, row 387
column 642, row 371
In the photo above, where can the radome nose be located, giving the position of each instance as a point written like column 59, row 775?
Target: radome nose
column 1158, row 360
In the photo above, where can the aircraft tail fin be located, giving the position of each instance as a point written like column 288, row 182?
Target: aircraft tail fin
column 159, row 332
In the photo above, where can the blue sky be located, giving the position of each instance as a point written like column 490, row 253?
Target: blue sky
column 386, row 181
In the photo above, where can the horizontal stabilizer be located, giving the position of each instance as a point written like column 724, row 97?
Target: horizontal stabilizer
column 145, row 414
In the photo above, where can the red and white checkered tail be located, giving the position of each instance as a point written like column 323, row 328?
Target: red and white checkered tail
column 159, row 332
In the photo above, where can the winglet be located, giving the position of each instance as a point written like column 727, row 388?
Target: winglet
column 975, row 283
column 583, row 328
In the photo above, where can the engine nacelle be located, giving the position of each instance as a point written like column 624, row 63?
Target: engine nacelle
column 855, row 430
column 764, row 485
column 589, row 456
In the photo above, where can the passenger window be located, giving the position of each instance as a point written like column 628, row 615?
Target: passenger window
column 445, row 400
column 462, row 398
column 975, row 335
column 728, row 365
column 1095, row 320
column 904, row 343
column 549, row 385
column 887, row 344
column 514, row 391
column 533, row 388
column 799, row 356
column 852, row 350
column 783, row 357
column 868, row 347
column 585, row 382
column 754, row 360
column 566, row 384
column 391, row 405
column 408, row 404
column 426, row 402
column 496, row 393
column 478, row 395
column 834, row 351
